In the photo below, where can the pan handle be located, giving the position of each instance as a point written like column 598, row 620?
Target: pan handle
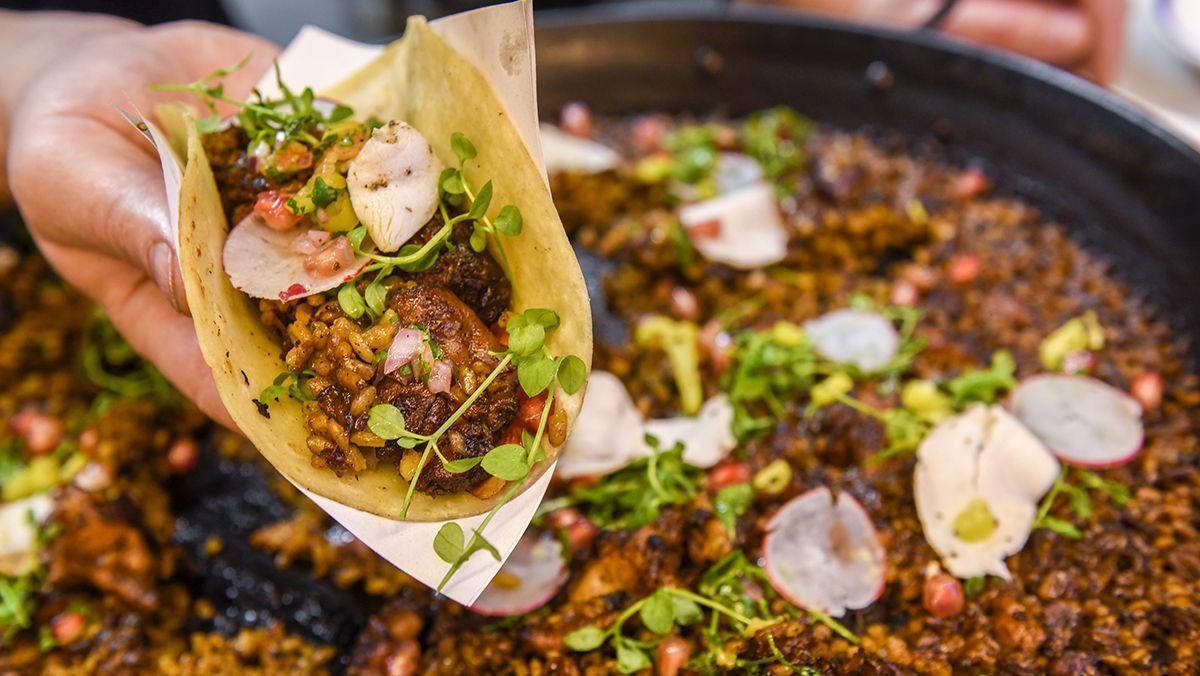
column 935, row 21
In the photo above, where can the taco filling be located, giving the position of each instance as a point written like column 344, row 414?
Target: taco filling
column 378, row 268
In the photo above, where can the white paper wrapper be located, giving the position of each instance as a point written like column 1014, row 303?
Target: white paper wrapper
column 498, row 40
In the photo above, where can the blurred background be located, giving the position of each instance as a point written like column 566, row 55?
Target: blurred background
column 1148, row 50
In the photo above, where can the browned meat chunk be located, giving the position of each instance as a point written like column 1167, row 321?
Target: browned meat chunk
column 468, row 345
column 105, row 553
column 475, row 277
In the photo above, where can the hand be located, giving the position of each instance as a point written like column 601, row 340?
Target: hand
column 90, row 186
column 1081, row 35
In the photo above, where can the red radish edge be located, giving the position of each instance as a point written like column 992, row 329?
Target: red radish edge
column 836, row 500
column 537, row 552
column 266, row 266
column 1108, row 460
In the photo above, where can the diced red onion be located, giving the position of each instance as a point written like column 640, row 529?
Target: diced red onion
column 309, row 241
column 335, row 257
column 404, row 347
column 439, row 376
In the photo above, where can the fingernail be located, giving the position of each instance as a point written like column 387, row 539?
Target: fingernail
column 162, row 264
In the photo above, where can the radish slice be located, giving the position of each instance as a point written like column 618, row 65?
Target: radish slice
column 262, row 263
column 750, row 231
column 18, row 533
column 564, row 152
column 707, row 438
column 860, row 338
column 977, row 484
column 735, row 171
column 608, row 433
column 531, row 576
column 1084, row 421
column 825, row 555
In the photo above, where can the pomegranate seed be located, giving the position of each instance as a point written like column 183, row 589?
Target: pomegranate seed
column 337, row 256
column 563, row 518
column 964, row 268
column 904, row 293
column 42, row 433
column 728, row 473
column 182, row 455
column 673, row 653
column 684, row 304
column 943, row 595
column 576, row 119
column 66, row 627
column 271, row 207
column 1147, row 388
column 648, row 132
column 580, row 534
column 972, row 182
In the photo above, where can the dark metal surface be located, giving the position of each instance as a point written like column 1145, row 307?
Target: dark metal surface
column 1086, row 157
column 1083, row 155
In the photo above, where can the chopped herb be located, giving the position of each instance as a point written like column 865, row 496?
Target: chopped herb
column 731, row 502
column 292, row 384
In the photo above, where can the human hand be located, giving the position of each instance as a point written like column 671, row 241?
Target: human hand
column 1085, row 36
column 90, row 186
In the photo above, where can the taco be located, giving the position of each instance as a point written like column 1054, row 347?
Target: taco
column 381, row 285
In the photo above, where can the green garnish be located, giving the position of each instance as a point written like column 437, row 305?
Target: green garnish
column 679, row 340
column 1080, row 334
column 1079, row 500
column 292, row 384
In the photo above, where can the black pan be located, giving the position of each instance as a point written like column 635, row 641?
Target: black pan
column 1126, row 186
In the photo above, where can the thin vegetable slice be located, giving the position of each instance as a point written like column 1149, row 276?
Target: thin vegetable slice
column 531, row 576
column 563, row 152
column 824, row 554
column 262, row 263
column 742, row 229
column 1084, row 421
column 860, row 338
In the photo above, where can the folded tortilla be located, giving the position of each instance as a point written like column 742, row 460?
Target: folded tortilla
column 423, row 81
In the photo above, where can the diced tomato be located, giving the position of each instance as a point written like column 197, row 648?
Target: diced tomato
column 335, row 257
column 648, row 133
column 291, row 158
column 728, row 473
column 271, row 207
column 705, row 229
column 530, row 412
column 42, row 433
column 972, row 182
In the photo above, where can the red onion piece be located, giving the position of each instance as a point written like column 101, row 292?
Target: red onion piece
column 309, row 241
column 404, row 347
column 439, row 376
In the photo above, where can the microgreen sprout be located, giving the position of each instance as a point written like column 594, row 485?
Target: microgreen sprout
column 1079, row 500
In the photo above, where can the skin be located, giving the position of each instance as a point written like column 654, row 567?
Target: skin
column 89, row 186
column 1081, row 35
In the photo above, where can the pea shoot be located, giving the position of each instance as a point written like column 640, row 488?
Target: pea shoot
column 1078, row 498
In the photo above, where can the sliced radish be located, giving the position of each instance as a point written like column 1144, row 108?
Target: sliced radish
column 608, row 433
column 860, row 338
column 262, row 263
column 1084, row 421
column 733, row 171
column 977, row 483
column 531, row 576
column 750, row 233
column 565, row 152
column 825, row 555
